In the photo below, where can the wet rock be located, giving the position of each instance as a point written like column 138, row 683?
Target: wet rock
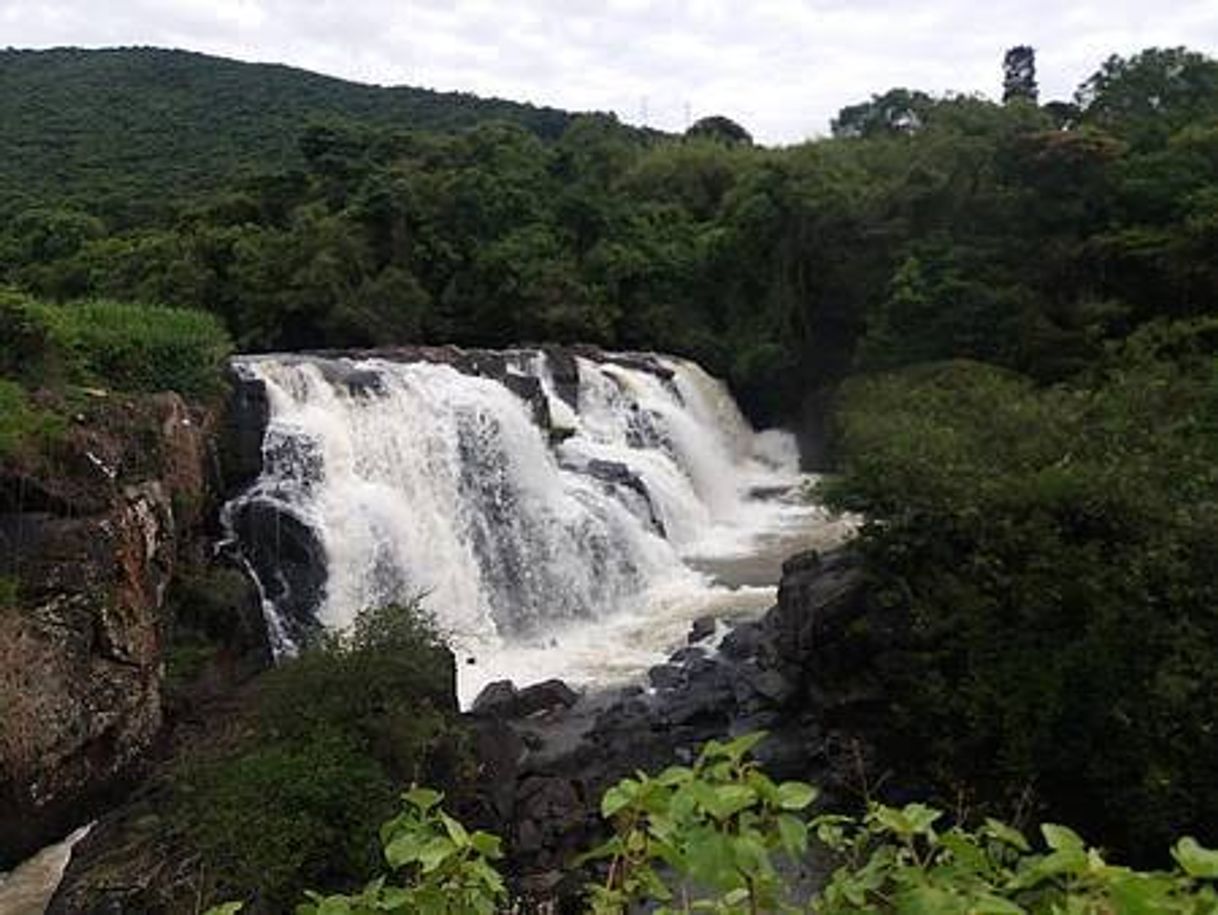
column 502, row 699
column 564, row 370
column 495, row 700
column 687, row 654
column 617, row 474
column 290, row 562
column 245, row 420
column 666, row 676
column 744, row 641
column 703, row 628
column 545, row 696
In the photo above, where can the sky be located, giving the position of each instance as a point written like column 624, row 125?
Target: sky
column 781, row 68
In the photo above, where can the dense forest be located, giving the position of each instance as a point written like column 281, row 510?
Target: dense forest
column 126, row 128
column 1012, row 306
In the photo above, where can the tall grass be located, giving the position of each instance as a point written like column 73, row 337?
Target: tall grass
column 134, row 347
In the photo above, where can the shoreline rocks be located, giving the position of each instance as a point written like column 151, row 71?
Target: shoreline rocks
column 549, row 771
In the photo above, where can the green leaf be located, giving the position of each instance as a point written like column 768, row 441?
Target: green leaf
column 987, row 904
column 435, row 852
column 1195, row 859
column 491, row 846
column 422, row 798
column 674, row 775
column 225, row 908
column 738, row 747
column 613, row 800
column 455, row 830
column 1008, row 835
column 1061, row 838
column 730, row 799
column 795, row 795
column 793, row 833
column 404, row 850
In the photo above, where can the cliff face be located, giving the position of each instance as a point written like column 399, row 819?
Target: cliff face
column 90, row 533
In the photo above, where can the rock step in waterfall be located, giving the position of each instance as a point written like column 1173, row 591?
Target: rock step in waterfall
column 556, row 510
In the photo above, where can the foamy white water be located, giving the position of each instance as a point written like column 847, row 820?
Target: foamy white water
column 28, row 888
column 585, row 559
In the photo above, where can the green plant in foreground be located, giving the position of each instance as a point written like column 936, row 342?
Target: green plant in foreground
column 896, row 861
column 705, row 839
column 449, row 867
column 709, row 829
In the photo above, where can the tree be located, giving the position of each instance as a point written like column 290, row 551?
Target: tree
column 1150, row 95
column 897, row 111
column 1019, row 75
column 717, row 127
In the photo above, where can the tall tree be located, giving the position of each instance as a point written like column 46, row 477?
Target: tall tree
column 1019, row 75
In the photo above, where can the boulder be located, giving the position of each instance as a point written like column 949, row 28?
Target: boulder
column 701, row 630
column 502, row 699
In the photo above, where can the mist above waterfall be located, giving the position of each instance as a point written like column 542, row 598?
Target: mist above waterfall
column 532, row 513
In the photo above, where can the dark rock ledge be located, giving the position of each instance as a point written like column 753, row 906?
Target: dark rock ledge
column 548, row 755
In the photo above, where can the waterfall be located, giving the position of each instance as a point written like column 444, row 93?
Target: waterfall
column 520, row 493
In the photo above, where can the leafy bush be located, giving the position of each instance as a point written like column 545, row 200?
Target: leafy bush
column 701, row 839
column 139, row 347
column 449, row 866
column 280, row 816
column 713, row 827
column 334, row 734
column 1048, row 555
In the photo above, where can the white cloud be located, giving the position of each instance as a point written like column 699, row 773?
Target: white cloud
column 780, row 67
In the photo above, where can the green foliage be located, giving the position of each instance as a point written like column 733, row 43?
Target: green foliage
column 10, row 591
column 702, row 839
column 128, row 128
column 899, row 861
column 332, row 735
column 926, row 228
column 280, row 816
column 709, row 830
column 447, row 867
column 1046, row 557
column 138, row 347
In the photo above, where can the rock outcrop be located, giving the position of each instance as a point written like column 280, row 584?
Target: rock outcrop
column 90, row 533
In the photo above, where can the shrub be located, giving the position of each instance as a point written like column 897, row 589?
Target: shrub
column 134, row 347
column 281, row 816
column 334, row 734
column 1048, row 554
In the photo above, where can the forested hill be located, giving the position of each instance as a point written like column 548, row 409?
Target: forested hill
column 135, row 123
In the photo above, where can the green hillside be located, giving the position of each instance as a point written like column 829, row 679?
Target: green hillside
column 128, row 124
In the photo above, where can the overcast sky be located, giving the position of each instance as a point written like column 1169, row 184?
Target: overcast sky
column 782, row 68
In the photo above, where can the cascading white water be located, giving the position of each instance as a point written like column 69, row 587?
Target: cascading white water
column 421, row 479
